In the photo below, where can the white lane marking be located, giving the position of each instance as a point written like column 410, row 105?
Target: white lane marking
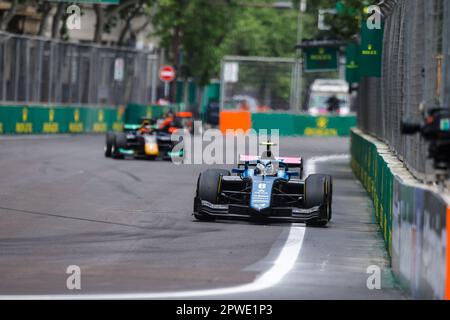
column 310, row 167
column 281, row 266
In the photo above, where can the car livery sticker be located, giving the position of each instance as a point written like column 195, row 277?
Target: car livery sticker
column 261, row 192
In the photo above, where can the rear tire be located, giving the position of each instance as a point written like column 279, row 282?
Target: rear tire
column 318, row 192
column 208, row 184
column 110, row 137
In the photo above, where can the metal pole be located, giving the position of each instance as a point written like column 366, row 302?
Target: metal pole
column 222, row 84
column 50, row 73
column 38, row 76
column 70, row 56
column 3, row 59
column 299, row 73
column 79, row 74
column 17, row 70
column 294, row 88
column 166, row 90
column 27, row 73
column 446, row 53
column 342, row 62
column 154, row 79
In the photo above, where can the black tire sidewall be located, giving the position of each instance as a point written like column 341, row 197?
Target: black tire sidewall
column 315, row 194
column 110, row 138
column 208, row 184
column 120, row 141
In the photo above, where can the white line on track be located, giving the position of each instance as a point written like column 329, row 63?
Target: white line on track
column 311, row 163
column 281, row 266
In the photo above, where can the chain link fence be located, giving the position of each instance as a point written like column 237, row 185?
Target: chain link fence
column 415, row 66
column 39, row 70
column 268, row 83
column 260, row 83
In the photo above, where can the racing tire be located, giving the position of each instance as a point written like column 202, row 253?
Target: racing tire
column 318, row 192
column 208, row 184
column 120, row 142
column 110, row 137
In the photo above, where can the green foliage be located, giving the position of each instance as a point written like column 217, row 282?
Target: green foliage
column 209, row 24
column 263, row 32
column 208, row 29
column 347, row 21
column 200, row 26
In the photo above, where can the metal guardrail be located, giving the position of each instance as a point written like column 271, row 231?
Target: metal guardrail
column 42, row 70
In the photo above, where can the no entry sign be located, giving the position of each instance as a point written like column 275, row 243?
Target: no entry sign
column 167, row 74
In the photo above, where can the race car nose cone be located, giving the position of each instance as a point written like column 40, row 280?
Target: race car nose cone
column 261, row 193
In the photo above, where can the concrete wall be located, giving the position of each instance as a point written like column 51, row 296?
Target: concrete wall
column 415, row 218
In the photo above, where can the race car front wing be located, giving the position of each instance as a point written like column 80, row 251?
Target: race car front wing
column 243, row 212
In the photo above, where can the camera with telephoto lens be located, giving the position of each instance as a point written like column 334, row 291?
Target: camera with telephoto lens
column 434, row 128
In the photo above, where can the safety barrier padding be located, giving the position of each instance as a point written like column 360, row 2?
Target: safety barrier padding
column 377, row 178
column 413, row 217
column 235, row 120
column 304, row 125
column 35, row 119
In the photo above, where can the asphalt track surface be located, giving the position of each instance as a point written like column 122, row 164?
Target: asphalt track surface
column 128, row 225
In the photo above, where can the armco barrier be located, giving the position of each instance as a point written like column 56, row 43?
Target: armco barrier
column 376, row 176
column 414, row 218
column 288, row 124
column 59, row 119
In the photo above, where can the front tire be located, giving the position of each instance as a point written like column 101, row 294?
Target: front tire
column 120, row 142
column 208, row 185
column 318, row 192
column 110, row 137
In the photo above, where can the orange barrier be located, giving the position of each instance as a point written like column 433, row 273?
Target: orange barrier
column 235, row 120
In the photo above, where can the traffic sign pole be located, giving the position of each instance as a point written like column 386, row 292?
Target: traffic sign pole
column 166, row 89
column 167, row 74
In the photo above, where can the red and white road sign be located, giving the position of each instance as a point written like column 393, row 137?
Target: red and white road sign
column 167, row 74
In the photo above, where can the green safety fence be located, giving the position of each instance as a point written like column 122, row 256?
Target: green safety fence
column 376, row 176
column 36, row 119
column 304, row 125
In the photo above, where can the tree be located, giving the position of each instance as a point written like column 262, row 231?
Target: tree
column 106, row 17
column 57, row 17
column 192, row 33
column 346, row 23
column 209, row 23
column 44, row 8
column 263, row 32
column 6, row 17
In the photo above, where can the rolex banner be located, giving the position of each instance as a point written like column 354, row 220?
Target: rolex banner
column 370, row 51
column 352, row 63
column 321, row 59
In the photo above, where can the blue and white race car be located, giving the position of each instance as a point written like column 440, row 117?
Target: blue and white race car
column 264, row 188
